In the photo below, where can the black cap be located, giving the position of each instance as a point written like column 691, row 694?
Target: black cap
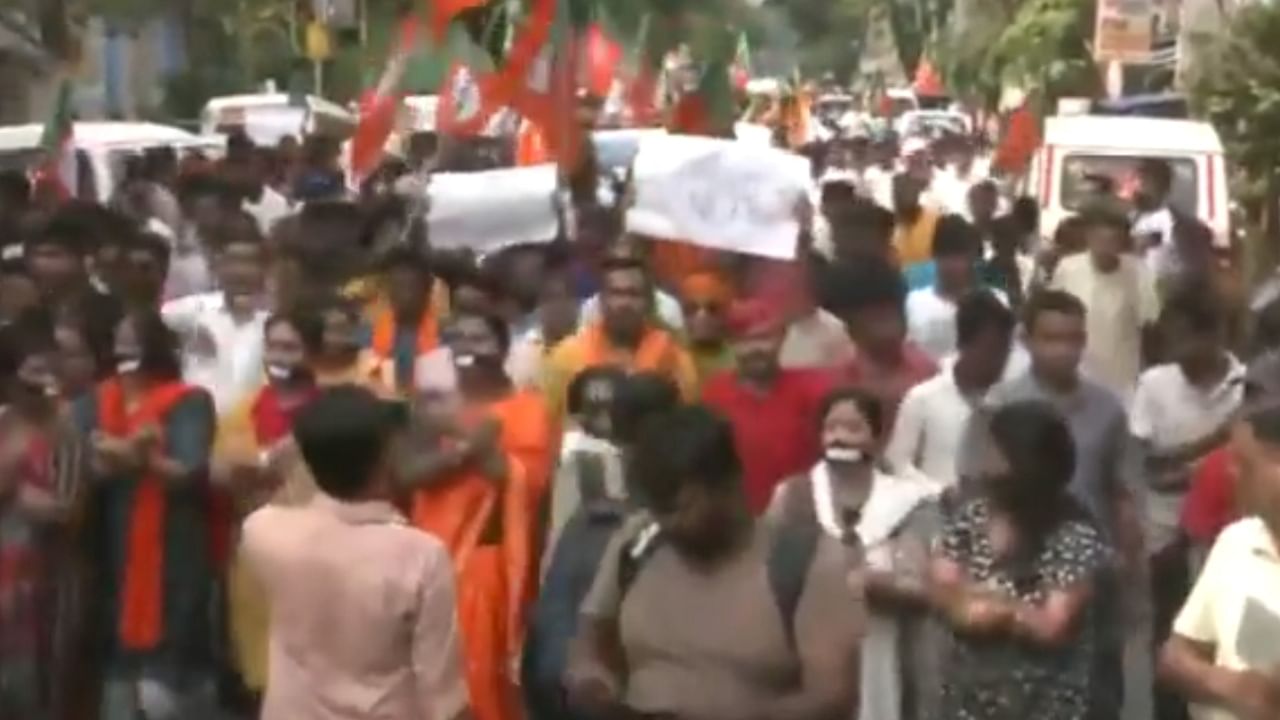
column 343, row 434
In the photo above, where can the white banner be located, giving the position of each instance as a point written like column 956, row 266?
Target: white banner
column 491, row 210
column 720, row 194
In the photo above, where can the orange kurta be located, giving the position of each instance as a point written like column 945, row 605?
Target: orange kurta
column 658, row 352
column 489, row 529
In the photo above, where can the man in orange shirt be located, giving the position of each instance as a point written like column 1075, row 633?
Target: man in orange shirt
column 625, row 335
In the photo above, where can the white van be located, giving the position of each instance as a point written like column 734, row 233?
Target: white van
column 101, row 150
column 1080, row 151
column 268, row 117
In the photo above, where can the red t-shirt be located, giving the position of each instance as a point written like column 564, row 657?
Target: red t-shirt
column 890, row 384
column 776, row 433
column 1210, row 505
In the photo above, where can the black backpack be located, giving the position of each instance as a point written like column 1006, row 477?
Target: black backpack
column 791, row 552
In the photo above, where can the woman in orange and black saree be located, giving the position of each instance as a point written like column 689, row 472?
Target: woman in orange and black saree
column 151, row 438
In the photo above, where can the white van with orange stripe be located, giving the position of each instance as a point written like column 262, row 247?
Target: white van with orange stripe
column 1080, row 152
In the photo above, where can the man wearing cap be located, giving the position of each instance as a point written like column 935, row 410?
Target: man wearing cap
column 364, row 617
column 774, row 411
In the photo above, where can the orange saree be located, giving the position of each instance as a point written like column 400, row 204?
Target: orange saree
column 488, row 527
column 141, row 621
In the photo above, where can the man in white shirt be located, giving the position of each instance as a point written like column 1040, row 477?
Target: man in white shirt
column 935, row 414
column 1119, row 294
column 1224, row 653
column 222, row 331
column 931, row 311
column 1181, row 412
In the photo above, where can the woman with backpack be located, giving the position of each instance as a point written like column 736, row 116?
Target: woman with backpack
column 890, row 521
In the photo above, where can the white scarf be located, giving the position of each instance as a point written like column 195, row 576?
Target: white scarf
column 891, row 500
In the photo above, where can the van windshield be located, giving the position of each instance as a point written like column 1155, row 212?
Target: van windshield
column 1085, row 176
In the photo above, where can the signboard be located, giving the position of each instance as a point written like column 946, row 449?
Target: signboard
column 1123, row 32
column 720, row 194
column 494, row 209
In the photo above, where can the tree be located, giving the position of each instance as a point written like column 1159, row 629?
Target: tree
column 830, row 33
column 1235, row 83
column 1041, row 45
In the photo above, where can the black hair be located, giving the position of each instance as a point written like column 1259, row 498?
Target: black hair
column 1264, row 420
column 980, row 311
column 687, row 445
column 869, row 406
column 403, row 256
column 15, row 188
column 1051, row 301
column 640, row 397
column 870, row 282
column 470, row 276
column 498, row 326
column 31, row 334
column 308, row 324
column 72, row 227
column 1026, row 210
column 343, row 435
column 235, row 228
column 1037, row 444
column 1194, row 307
column 1103, row 214
column 159, row 345
column 577, row 390
column 954, row 236
column 622, row 263
column 1157, row 170
column 152, row 244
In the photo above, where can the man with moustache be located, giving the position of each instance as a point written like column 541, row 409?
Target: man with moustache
column 773, row 410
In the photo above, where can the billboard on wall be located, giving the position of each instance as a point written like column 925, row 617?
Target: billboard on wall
column 1123, row 32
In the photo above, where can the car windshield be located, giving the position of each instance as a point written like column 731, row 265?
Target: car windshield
column 1085, row 176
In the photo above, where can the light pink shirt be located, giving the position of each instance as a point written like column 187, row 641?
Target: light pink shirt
column 363, row 614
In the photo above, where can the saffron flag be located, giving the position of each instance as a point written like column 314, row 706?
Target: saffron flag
column 378, row 108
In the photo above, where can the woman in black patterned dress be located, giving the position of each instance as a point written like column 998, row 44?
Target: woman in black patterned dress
column 1015, row 574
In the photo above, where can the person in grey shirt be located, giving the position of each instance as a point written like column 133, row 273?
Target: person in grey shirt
column 1105, row 479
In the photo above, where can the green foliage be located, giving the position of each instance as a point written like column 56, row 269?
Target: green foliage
column 1235, row 82
column 831, row 33
column 1036, row 44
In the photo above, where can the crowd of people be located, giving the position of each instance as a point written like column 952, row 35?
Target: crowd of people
column 265, row 452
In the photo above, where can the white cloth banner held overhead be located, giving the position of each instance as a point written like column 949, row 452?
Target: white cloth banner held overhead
column 719, row 194
column 494, row 209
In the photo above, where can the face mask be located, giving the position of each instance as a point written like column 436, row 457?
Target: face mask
column 464, row 361
column 128, row 365
column 38, row 388
column 846, row 455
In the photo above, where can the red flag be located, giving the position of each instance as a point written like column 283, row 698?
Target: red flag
column 1019, row 142
column 602, row 56
column 928, row 82
column 466, row 100
column 379, row 107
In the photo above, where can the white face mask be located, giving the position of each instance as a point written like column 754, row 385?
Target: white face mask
column 464, row 361
column 279, row 372
column 130, row 365
column 847, row 455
